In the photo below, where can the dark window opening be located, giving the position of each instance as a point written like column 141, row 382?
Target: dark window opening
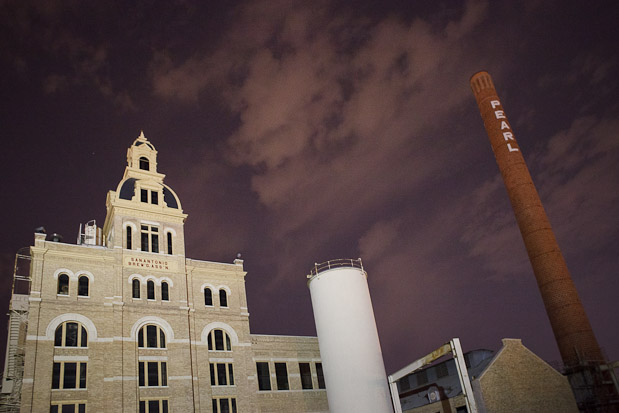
column 264, row 378
column 219, row 340
column 223, row 298
column 82, row 286
column 63, row 284
column 165, row 293
column 154, row 242
column 170, row 243
column 67, row 375
column 152, row 335
column 221, row 374
column 281, row 375
column 71, row 334
column 144, row 240
column 152, row 374
column 154, row 198
column 320, row 376
column 208, row 297
column 144, row 163
column 306, row 376
column 150, row 290
column 143, row 195
column 129, row 238
column 136, row 288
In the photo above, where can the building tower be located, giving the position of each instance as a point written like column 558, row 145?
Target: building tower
column 572, row 330
column 349, row 347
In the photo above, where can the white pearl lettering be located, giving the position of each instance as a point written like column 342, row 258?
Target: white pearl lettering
column 507, row 134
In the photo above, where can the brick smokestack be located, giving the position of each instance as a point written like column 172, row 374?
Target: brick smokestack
column 569, row 322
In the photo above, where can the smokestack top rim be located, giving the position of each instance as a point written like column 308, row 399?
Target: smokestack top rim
column 477, row 74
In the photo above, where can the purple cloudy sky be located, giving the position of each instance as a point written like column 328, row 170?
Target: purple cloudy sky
column 297, row 132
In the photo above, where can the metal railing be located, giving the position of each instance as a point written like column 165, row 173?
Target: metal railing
column 338, row 263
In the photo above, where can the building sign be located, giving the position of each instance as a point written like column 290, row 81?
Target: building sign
column 508, row 135
column 159, row 264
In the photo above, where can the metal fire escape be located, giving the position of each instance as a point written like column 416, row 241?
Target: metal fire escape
column 10, row 394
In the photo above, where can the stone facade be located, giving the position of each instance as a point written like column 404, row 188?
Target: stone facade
column 124, row 322
column 517, row 380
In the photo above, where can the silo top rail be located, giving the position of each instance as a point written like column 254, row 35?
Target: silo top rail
column 342, row 262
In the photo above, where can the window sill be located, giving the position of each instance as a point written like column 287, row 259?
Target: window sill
column 57, row 390
column 71, row 347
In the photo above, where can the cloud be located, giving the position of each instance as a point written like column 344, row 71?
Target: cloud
column 575, row 174
column 56, row 47
column 330, row 108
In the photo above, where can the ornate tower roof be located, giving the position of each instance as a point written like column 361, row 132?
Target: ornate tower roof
column 142, row 194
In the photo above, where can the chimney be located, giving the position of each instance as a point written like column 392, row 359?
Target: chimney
column 570, row 324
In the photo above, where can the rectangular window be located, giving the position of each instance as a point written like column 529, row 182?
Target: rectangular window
column 222, row 374
column 152, row 373
column 281, row 375
column 230, row 375
column 154, row 242
column 154, row 406
column 264, row 377
column 150, row 238
column 154, row 197
column 68, row 407
column 224, row 405
column 144, row 234
column 143, row 195
column 306, row 376
column 320, row 376
column 69, row 375
column 141, row 374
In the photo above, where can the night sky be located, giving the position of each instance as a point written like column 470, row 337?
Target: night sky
column 295, row 132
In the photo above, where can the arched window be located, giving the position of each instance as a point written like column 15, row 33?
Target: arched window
column 63, row 284
column 129, row 246
column 223, row 298
column 219, row 340
column 208, row 297
column 170, row 243
column 82, row 286
column 151, row 336
column 136, row 288
column 165, row 291
column 71, row 334
column 144, row 163
column 150, row 290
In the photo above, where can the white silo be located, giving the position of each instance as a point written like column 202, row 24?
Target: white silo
column 349, row 348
